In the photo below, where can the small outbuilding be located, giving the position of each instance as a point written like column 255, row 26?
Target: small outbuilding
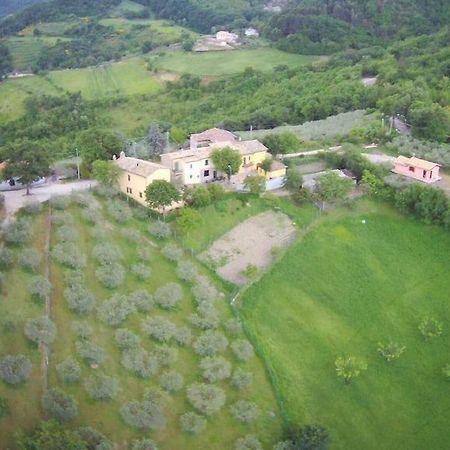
column 227, row 37
column 416, row 168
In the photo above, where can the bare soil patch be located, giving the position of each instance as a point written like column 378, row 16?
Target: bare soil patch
column 250, row 246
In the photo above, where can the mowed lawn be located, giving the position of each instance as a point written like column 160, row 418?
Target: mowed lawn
column 345, row 287
column 229, row 62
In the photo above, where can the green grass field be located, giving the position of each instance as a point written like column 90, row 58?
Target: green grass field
column 222, row 429
column 229, row 62
column 342, row 289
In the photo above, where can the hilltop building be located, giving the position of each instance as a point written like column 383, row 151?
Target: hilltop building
column 416, row 168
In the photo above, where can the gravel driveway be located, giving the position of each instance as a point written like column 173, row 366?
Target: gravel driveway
column 14, row 200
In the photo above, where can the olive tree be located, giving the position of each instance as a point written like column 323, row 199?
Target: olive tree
column 168, row 295
column 92, row 353
column 106, row 253
column 41, row 330
column 205, row 293
column 233, row 327
column 215, row 368
column 67, row 233
column 183, row 336
column 206, row 317
column 6, row 258
column 248, row 442
column 192, row 423
column 142, row 300
column 115, row 310
column 82, row 330
column 40, row 288
column 210, row 343
column 59, row 405
column 101, row 387
column 68, row 254
column 59, row 201
column 171, row 381
column 68, row 371
column 15, row 369
column 172, row 252
column 119, row 211
column 241, row 379
column 79, row 299
column 18, row 232
column 142, row 271
column 186, row 271
column 126, row 339
column 93, row 439
column 144, row 444
column 29, row 259
column 349, row 368
column 160, row 230
column 242, row 349
column 159, row 328
column 111, row 276
column 140, row 362
column 244, row 411
column 206, row 398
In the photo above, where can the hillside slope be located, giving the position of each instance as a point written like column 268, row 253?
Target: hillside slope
column 12, row 6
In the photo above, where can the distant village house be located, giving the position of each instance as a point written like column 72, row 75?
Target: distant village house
column 251, row 32
column 227, row 37
column 418, row 169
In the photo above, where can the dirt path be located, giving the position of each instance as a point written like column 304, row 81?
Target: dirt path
column 14, row 200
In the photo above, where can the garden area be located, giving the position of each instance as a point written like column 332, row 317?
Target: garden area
column 364, row 291
column 141, row 344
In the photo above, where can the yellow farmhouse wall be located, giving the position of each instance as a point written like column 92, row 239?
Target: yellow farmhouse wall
column 134, row 185
column 253, row 159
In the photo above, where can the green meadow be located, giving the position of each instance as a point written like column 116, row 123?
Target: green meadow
column 229, row 62
column 341, row 289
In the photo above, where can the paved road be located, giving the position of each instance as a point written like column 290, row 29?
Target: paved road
column 15, row 200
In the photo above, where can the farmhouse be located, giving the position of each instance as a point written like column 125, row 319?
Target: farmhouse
column 227, row 37
column 416, row 168
column 137, row 174
column 194, row 166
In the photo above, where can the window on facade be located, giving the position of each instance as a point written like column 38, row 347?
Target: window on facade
column 177, row 166
column 191, row 166
column 411, row 168
column 190, row 177
column 424, row 174
column 206, row 162
column 131, row 191
column 245, row 160
column 129, row 177
column 206, row 173
column 140, row 194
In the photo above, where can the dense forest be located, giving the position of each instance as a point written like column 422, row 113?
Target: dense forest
column 12, row 6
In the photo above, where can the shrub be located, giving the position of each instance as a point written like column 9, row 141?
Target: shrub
column 119, row 211
column 171, row 381
column 159, row 328
column 313, row 437
column 141, row 271
column 244, row 411
column 200, row 197
column 140, row 362
column 169, row 295
column 430, row 328
column 210, row 342
column 82, row 330
column 248, row 442
column 242, row 349
column 390, row 351
column 101, row 387
column 29, row 259
column 67, row 233
column 4, row 407
column 205, row 293
column 141, row 213
column 216, row 191
column 91, row 215
column 142, row 300
column 144, row 444
column 215, row 368
column 68, row 371
column 206, row 317
column 144, row 254
column 115, row 310
column 172, row 252
column 106, row 191
column 349, row 368
column 68, row 254
column 111, row 276
column 183, row 336
column 82, row 199
column 40, row 288
column 207, row 399
column 40, row 331
column 125, row 339
column 166, row 356
column 106, row 253
column 233, row 327
column 59, row 201
column 15, row 369
column 186, row 271
column 79, row 299
column 18, row 232
column 59, row 405
column 145, row 415
column 285, row 445
column 62, row 218
column 33, row 208
column 241, row 379
column 192, row 423
column 6, row 258
column 90, row 352
column 160, row 230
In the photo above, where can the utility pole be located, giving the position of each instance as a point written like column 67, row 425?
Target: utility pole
column 78, row 162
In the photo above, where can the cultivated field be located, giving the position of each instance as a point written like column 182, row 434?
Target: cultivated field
column 342, row 289
column 229, row 62
column 112, row 237
column 249, row 247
